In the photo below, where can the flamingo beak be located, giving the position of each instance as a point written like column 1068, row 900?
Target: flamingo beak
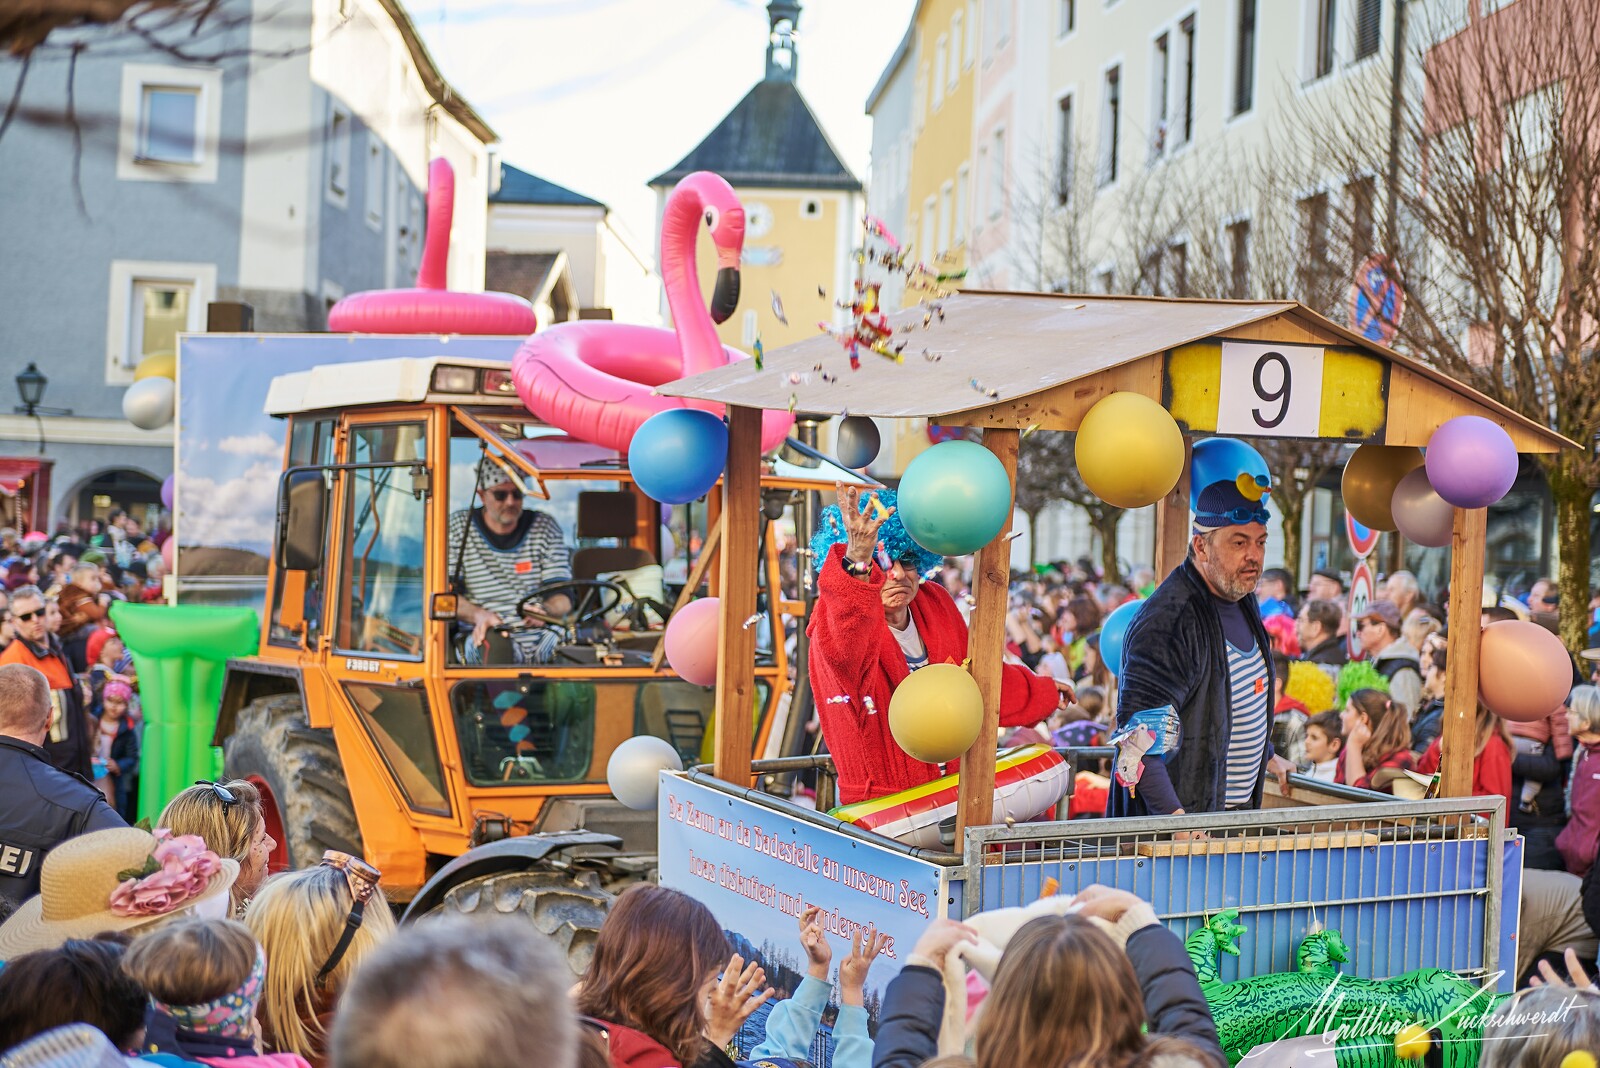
column 725, row 297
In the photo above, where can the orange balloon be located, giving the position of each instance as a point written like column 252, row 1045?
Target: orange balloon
column 1524, row 672
column 1370, row 477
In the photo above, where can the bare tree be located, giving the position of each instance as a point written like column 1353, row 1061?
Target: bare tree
column 1047, row 472
column 1496, row 211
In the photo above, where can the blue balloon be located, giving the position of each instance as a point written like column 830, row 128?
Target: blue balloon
column 1224, row 460
column 676, row 456
column 1112, row 633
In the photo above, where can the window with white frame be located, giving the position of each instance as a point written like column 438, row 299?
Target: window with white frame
column 939, row 58
column 1238, row 242
column 374, row 180
column 748, row 329
column 170, row 121
column 1324, row 27
column 1244, row 58
column 1110, row 124
column 962, row 192
column 982, row 190
column 970, row 46
column 1178, row 268
column 1160, row 92
column 1104, row 279
column 947, row 194
column 1183, row 108
column 151, row 304
column 997, row 174
column 1065, row 150
column 919, row 99
column 1369, row 27
column 955, row 51
column 929, row 208
column 338, row 152
column 1066, row 17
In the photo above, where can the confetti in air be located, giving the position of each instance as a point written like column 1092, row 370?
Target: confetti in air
column 760, row 354
column 777, row 308
column 753, row 620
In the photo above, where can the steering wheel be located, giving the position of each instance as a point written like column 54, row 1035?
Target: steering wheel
column 590, row 601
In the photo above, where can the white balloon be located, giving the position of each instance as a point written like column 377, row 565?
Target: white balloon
column 633, row 772
column 149, row 403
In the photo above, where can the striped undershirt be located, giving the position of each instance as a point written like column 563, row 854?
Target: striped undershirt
column 1250, row 715
column 497, row 579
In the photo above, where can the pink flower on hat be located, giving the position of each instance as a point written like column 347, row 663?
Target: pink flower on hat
column 178, row 869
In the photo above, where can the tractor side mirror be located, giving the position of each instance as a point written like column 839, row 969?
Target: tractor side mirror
column 302, row 520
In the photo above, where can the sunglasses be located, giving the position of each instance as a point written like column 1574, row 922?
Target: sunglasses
column 26, row 616
column 506, row 495
column 223, row 794
column 363, row 881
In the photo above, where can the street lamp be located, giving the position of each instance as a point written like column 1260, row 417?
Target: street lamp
column 30, row 387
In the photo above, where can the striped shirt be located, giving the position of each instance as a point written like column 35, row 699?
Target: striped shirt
column 497, row 578
column 1249, row 713
column 910, row 641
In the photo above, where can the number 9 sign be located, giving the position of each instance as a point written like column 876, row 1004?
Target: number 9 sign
column 1270, row 390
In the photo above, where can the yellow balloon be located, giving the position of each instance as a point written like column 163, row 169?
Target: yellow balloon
column 936, row 713
column 161, row 365
column 1129, row 450
column 1411, row 1042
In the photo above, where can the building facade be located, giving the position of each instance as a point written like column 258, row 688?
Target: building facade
column 281, row 162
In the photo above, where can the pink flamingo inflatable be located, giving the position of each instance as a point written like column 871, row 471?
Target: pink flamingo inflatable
column 430, row 308
column 593, row 379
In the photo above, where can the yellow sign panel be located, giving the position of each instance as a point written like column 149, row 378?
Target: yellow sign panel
column 1265, row 389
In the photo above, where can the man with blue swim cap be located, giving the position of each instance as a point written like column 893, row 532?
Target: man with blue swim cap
column 875, row 622
column 1194, row 700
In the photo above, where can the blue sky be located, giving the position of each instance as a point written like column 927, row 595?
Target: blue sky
column 602, row 95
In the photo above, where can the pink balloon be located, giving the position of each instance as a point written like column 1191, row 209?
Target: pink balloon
column 594, row 379
column 1419, row 513
column 693, row 637
column 169, row 554
column 430, row 308
column 1524, row 672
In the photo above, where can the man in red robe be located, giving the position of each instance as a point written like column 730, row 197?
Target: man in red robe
column 875, row 622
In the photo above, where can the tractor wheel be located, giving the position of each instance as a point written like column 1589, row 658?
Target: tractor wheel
column 304, row 796
column 567, row 909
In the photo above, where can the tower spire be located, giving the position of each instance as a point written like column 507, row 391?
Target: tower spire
column 782, row 16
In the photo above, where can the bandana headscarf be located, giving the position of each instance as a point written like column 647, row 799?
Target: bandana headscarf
column 229, row 1016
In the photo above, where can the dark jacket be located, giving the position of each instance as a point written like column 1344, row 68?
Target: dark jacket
column 913, row 1005
column 1426, row 727
column 125, row 754
column 1549, row 808
column 1331, row 652
column 72, row 749
column 1175, row 654
column 41, row 806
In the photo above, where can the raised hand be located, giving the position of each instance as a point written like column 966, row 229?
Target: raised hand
column 734, row 998
column 860, row 528
column 853, row 969
column 814, row 940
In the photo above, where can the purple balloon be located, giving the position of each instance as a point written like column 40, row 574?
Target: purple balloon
column 1420, row 514
column 167, row 489
column 1471, row 461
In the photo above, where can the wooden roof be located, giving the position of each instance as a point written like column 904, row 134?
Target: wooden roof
column 1026, row 359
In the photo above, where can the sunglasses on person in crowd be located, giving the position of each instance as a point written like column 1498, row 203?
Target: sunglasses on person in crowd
column 223, row 794
column 26, row 616
column 506, row 495
column 363, row 881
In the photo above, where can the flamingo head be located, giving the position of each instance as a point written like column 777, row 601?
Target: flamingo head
column 724, row 217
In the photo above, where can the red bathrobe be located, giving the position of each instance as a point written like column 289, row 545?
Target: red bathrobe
column 854, row 655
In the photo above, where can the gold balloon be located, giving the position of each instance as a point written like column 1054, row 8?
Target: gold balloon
column 1370, row 478
column 936, row 713
column 1129, row 450
column 161, row 365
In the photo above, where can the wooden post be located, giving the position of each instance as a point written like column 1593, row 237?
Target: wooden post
column 1461, row 681
column 739, row 559
column 1172, row 523
column 986, row 633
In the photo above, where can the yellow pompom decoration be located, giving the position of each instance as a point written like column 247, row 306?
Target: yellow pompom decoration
column 161, row 365
column 1411, row 1042
column 1311, row 686
column 1578, row 1058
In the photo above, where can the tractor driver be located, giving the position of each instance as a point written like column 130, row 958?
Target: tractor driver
column 500, row 553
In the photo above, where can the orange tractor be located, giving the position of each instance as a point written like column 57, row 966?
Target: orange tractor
column 370, row 720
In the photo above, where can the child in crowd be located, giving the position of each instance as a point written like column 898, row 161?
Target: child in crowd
column 116, row 754
column 792, row 1024
column 1324, row 739
column 205, row 978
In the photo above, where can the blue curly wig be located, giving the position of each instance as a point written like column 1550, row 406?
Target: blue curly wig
column 892, row 535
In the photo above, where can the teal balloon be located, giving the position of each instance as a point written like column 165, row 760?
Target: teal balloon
column 519, row 732
column 954, row 498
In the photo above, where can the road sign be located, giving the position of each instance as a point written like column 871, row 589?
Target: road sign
column 1360, row 597
column 1362, row 539
column 1376, row 300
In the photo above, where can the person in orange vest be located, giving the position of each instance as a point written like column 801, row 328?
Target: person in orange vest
column 66, row 740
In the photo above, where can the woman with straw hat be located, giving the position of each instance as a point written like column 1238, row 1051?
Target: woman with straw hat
column 123, row 879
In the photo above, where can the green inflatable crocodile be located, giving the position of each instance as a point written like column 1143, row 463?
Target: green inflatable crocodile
column 1363, row 1015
